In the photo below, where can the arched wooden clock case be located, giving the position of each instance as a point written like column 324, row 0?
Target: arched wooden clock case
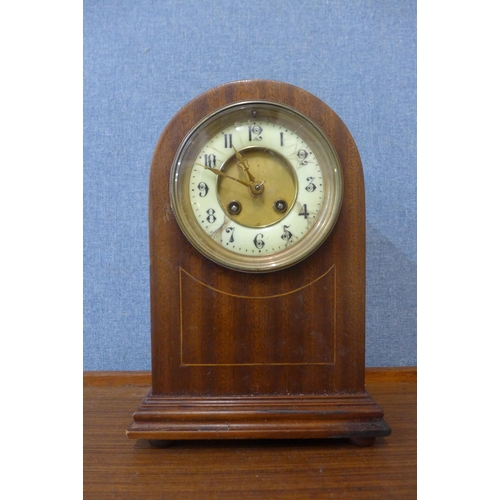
column 258, row 355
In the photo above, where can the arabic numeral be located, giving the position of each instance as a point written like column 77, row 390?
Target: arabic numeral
column 258, row 241
column 287, row 235
column 230, row 230
column 203, row 189
column 302, row 154
column 210, row 161
column 310, row 187
column 304, row 211
column 254, row 132
column 211, row 217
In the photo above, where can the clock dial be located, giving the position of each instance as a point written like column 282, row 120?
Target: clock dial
column 256, row 187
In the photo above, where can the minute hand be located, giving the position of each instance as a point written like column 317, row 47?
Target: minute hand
column 222, row 174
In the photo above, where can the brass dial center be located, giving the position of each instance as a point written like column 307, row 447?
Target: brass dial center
column 274, row 180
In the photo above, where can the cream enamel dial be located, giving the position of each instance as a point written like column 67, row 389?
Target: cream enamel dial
column 256, row 186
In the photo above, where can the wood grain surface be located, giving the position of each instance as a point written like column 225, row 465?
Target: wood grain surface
column 117, row 467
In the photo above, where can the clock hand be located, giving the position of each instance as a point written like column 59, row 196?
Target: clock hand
column 243, row 164
column 222, row 174
column 256, row 187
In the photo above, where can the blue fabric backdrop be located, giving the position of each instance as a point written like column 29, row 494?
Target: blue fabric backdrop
column 144, row 59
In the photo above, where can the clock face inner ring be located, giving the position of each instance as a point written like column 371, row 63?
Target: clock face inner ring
column 256, row 186
column 275, row 187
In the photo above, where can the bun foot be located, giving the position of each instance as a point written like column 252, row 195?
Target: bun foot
column 362, row 441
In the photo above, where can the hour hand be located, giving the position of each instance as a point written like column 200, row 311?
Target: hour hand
column 243, row 164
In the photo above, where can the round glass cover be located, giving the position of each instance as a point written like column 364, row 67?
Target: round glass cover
column 256, row 186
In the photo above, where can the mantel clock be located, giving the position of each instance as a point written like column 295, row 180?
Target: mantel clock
column 257, row 262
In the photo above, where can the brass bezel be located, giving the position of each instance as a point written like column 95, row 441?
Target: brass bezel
column 242, row 112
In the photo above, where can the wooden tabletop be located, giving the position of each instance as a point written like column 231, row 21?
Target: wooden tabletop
column 117, row 467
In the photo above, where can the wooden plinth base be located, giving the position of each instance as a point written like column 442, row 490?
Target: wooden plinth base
column 165, row 418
